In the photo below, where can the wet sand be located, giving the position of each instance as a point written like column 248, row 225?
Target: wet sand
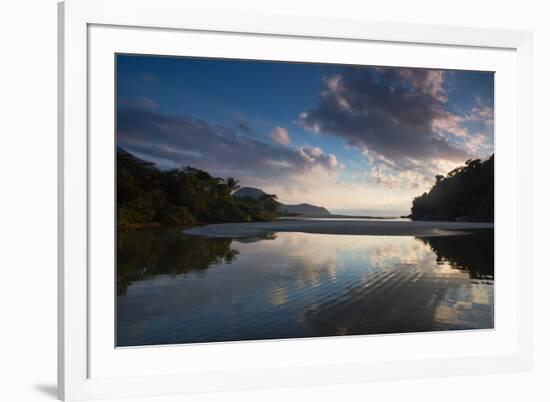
column 343, row 227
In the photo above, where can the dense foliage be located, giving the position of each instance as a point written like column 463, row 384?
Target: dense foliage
column 147, row 195
column 465, row 194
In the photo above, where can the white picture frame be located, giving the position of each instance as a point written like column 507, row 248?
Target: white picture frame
column 84, row 26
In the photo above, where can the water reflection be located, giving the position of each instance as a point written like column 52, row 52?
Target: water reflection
column 143, row 254
column 180, row 289
column 469, row 253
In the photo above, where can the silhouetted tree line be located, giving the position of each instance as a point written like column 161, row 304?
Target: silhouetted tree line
column 147, row 195
column 465, row 194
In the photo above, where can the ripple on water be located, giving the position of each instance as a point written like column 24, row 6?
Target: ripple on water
column 179, row 289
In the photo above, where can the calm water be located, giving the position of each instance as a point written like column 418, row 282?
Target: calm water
column 174, row 288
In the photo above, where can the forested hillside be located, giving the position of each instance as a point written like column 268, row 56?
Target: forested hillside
column 147, row 195
column 465, row 194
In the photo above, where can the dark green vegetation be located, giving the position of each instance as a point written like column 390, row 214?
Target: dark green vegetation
column 465, row 194
column 148, row 196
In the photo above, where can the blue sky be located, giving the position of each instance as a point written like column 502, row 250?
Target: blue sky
column 355, row 139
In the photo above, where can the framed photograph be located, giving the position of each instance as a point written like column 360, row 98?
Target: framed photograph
column 252, row 201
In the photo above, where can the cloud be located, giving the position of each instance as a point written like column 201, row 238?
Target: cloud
column 280, row 136
column 428, row 82
column 483, row 114
column 395, row 116
column 175, row 140
column 450, row 123
column 479, row 144
column 314, row 156
column 140, row 103
column 245, row 127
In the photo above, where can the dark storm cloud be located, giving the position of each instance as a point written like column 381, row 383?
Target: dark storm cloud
column 395, row 116
column 184, row 140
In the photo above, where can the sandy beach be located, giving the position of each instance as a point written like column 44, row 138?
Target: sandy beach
column 342, row 227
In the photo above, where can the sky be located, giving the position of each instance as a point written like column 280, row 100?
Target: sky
column 360, row 140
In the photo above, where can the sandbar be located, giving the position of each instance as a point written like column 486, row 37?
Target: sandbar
column 338, row 227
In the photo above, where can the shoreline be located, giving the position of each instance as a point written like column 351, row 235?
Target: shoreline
column 337, row 227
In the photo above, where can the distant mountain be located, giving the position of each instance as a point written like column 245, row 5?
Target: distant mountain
column 304, row 210
column 251, row 192
column 298, row 209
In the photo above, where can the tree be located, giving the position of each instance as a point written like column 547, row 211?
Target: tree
column 184, row 196
column 466, row 193
column 232, row 184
